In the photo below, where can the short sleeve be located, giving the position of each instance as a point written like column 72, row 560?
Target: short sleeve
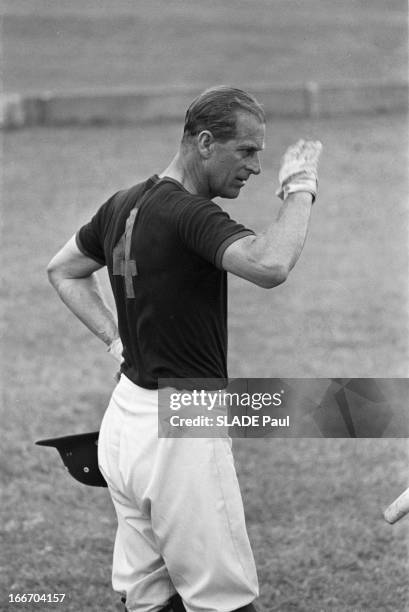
column 206, row 229
column 91, row 236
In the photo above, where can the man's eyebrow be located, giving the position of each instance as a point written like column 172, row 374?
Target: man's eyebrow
column 251, row 146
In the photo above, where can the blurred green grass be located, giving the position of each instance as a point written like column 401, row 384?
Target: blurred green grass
column 89, row 43
column 313, row 506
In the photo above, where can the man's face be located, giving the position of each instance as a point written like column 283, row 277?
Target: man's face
column 232, row 162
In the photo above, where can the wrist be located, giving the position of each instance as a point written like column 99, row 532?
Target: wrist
column 300, row 197
column 112, row 341
column 109, row 336
column 116, row 349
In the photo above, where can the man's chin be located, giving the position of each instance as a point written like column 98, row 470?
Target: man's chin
column 231, row 194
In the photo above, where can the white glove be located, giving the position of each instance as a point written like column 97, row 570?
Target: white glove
column 115, row 349
column 298, row 170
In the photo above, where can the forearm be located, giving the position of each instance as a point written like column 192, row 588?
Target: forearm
column 280, row 245
column 84, row 298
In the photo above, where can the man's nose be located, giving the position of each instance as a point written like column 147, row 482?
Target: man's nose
column 254, row 165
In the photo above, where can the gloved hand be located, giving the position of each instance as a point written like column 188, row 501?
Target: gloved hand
column 298, row 170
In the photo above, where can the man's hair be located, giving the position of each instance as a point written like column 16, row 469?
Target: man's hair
column 216, row 110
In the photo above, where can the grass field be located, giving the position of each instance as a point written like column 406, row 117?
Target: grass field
column 313, row 506
column 99, row 43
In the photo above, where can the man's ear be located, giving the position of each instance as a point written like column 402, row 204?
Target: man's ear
column 205, row 143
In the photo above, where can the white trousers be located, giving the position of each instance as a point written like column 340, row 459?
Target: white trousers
column 179, row 508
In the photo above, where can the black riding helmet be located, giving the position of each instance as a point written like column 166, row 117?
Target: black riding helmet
column 80, row 456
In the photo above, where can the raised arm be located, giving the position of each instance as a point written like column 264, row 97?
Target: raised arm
column 72, row 275
column 267, row 258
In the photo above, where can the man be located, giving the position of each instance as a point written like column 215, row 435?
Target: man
column 181, row 542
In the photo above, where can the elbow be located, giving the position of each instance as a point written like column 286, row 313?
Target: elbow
column 273, row 276
column 53, row 273
column 50, row 272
